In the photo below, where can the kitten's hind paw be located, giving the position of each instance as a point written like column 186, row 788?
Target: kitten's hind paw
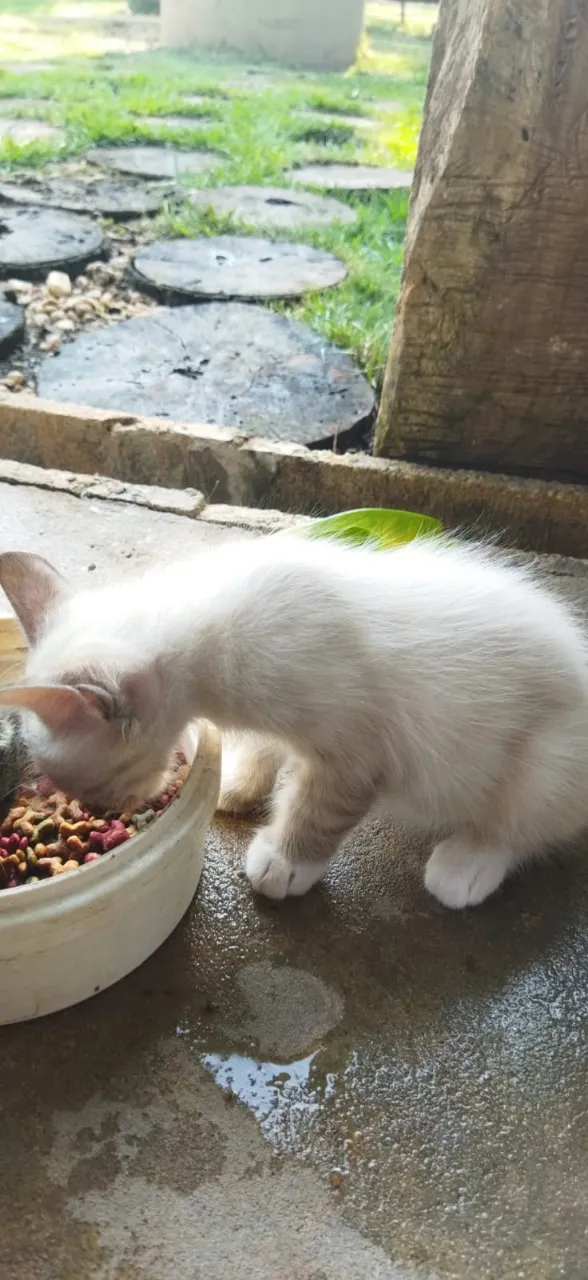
column 247, row 778
column 270, row 873
column 460, row 873
column 235, row 803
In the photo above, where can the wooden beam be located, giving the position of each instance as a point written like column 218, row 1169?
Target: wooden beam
column 488, row 362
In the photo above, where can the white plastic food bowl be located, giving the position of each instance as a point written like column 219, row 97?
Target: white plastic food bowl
column 68, row 938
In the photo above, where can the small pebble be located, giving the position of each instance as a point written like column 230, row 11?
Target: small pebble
column 15, row 380
column 58, row 283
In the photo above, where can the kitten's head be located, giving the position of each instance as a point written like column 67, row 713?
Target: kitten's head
column 94, row 717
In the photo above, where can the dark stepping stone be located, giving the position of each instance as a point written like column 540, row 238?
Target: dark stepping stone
column 174, row 122
column 235, row 267
column 222, row 362
column 350, row 177
column 154, row 162
column 11, row 326
column 111, row 199
column 34, row 241
column 337, row 117
column 23, row 131
column 274, row 206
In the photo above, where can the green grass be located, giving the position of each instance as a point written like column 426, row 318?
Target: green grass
column 259, row 137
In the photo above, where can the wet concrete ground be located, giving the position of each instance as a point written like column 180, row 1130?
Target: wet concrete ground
column 357, row 1085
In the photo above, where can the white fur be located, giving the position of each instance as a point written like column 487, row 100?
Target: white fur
column 437, row 676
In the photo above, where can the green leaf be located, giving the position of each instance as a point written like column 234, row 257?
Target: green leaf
column 380, row 525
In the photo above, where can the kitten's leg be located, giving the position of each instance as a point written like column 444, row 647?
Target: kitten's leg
column 250, row 766
column 314, row 810
column 464, row 870
column 541, row 803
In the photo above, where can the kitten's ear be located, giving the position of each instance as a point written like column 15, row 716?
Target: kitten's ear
column 34, row 589
column 58, row 706
column 142, row 692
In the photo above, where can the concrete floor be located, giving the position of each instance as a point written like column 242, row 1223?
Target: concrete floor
column 358, row 1085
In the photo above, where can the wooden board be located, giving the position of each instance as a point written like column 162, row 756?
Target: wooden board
column 488, row 363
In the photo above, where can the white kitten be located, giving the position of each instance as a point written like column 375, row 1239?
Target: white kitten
column 434, row 676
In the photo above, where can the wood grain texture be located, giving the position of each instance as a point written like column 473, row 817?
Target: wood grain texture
column 488, row 363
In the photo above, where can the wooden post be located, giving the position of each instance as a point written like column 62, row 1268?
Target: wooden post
column 488, row 363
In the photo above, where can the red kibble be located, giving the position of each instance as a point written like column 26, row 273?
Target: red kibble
column 113, row 838
column 91, row 857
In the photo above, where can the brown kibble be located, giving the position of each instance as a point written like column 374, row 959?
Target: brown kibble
column 76, row 845
column 75, row 811
column 15, row 815
column 71, row 865
column 24, row 828
column 68, row 829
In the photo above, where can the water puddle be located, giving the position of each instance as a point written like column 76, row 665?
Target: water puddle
column 276, row 1094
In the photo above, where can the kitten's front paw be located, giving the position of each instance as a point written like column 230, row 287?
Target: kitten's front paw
column 271, row 874
column 461, row 874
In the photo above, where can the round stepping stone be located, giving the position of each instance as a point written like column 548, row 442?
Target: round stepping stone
column 34, row 241
column 222, row 362
column 235, row 267
column 273, row 206
column 111, row 199
column 386, row 104
column 27, row 68
column 255, row 84
column 154, row 162
column 22, row 131
column 336, row 117
column 351, row 177
column 18, row 104
column 199, row 99
column 11, row 326
column 174, row 122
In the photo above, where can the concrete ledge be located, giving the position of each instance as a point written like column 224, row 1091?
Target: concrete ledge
column 227, row 467
column 178, row 502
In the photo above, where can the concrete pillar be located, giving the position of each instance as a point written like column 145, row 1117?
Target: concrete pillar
column 318, row 34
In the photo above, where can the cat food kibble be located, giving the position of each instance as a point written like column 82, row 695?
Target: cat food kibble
column 45, row 835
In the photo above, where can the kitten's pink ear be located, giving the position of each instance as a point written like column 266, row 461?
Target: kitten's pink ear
column 58, row 706
column 34, row 589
